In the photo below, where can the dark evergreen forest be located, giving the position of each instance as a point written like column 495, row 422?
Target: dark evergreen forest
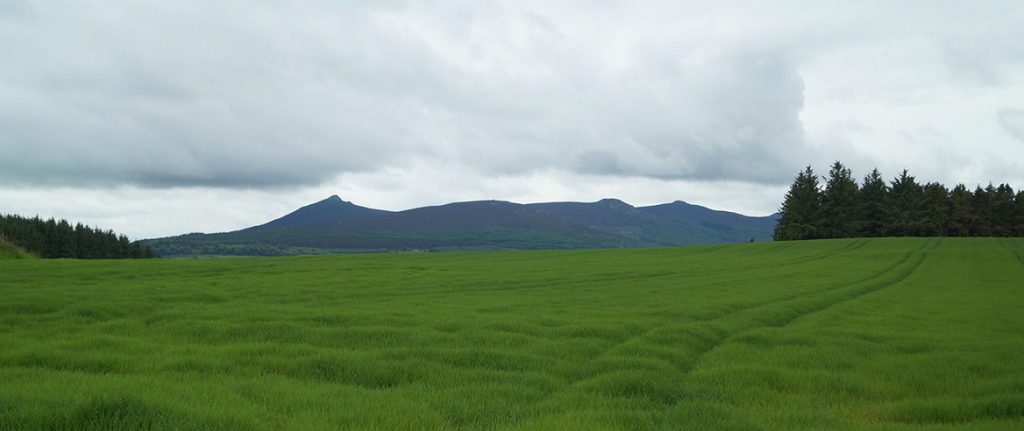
column 59, row 239
column 842, row 208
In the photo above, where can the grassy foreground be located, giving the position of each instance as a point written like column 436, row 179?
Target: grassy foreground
column 839, row 334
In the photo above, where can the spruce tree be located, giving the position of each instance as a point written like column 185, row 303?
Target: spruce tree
column 872, row 205
column 961, row 214
column 65, row 240
column 800, row 209
column 1019, row 214
column 1003, row 211
column 905, row 210
column 936, row 203
column 981, row 206
column 838, row 204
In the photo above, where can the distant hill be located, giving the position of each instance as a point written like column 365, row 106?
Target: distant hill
column 337, row 226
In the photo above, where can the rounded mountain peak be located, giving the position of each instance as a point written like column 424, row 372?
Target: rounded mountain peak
column 614, row 203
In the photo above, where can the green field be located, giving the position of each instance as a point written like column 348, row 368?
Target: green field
column 837, row 334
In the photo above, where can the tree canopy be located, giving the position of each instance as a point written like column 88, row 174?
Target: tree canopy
column 901, row 207
column 58, row 239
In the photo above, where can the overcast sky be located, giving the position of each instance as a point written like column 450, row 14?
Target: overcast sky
column 160, row 118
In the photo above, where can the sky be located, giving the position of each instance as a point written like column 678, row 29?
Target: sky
column 162, row 118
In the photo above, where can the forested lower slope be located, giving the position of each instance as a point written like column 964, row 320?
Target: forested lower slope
column 891, row 333
column 53, row 238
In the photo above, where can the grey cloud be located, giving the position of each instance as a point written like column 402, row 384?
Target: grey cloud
column 734, row 118
column 266, row 94
column 1012, row 120
column 228, row 101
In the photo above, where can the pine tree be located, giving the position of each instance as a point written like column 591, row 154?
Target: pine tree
column 961, row 215
column 838, row 204
column 872, row 205
column 800, row 209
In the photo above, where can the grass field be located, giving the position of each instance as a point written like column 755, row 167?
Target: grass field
column 840, row 334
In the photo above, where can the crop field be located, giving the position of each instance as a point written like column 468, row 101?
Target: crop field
column 837, row 334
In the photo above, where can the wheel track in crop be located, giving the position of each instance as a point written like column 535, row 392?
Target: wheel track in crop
column 863, row 281
column 701, row 350
column 850, row 246
column 632, row 277
column 783, row 245
column 931, row 245
column 546, row 284
column 872, row 285
column 744, row 308
column 1008, row 247
column 853, row 245
column 708, row 250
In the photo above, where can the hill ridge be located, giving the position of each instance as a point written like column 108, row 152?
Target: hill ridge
column 333, row 225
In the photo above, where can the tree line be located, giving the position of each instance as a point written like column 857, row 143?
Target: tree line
column 59, row 239
column 842, row 208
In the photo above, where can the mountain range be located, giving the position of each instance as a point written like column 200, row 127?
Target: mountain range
column 334, row 225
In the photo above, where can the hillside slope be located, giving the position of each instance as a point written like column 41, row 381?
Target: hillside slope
column 11, row 251
column 336, row 226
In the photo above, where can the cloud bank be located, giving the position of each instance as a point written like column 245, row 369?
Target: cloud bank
column 278, row 94
column 244, row 99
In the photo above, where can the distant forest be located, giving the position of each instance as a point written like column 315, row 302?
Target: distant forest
column 902, row 207
column 59, row 239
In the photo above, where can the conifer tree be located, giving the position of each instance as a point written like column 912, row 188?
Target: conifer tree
column 1019, row 214
column 1003, row 211
column 66, row 240
column 906, row 212
column 838, row 204
column 981, row 206
column 936, row 203
column 872, row 205
column 800, row 209
column 961, row 215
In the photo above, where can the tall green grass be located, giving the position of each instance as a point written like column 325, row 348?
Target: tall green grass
column 11, row 251
column 839, row 334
